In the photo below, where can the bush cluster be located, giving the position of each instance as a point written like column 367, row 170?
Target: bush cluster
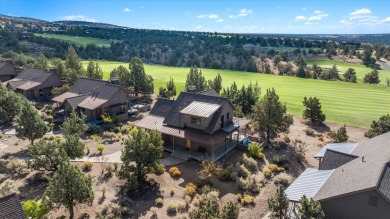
column 175, row 172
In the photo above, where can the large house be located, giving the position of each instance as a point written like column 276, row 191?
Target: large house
column 196, row 125
column 35, row 83
column 352, row 181
column 7, row 71
column 94, row 98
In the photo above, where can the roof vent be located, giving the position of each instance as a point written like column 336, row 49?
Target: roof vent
column 363, row 159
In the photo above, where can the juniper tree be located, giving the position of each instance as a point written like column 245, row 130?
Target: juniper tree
column 216, row 84
column 69, row 187
column 341, row 135
column 74, row 124
column 169, row 91
column 10, row 104
column 195, row 78
column 42, row 62
column 124, row 76
column 74, row 66
column 230, row 211
column 350, row 75
column 29, row 125
column 308, row 208
column 142, row 152
column 46, row 155
column 313, row 110
column 372, row 77
column 278, row 204
column 270, row 115
column 379, row 127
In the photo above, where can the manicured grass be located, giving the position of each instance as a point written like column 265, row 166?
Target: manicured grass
column 79, row 41
column 361, row 70
column 343, row 103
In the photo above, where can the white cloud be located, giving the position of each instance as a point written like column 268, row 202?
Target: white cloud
column 361, row 11
column 199, row 27
column 127, row 10
column 78, row 18
column 363, row 16
column 386, row 19
column 245, row 12
column 319, row 15
column 304, row 9
column 211, row 16
column 228, row 9
column 219, row 20
column 233, row 17
column 300, row 18
column 308, row 23
column 141, row 7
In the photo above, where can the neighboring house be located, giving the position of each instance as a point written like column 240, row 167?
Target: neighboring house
column 196, row 125
column 35, row 83
column 11, row 207
column 7, row 71
column 352, row 181
column 95, row 98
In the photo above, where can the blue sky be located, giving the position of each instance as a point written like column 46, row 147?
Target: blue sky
column 261, row 16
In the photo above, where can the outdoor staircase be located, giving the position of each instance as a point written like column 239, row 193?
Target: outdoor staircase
column 180, row 155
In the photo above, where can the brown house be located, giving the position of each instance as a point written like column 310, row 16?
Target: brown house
column 35, row 83
column 196, row 125
column 352, row 181
column 95, row 98
column 7, row 71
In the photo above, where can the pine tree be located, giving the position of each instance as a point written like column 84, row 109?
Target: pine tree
column 124, row 76
column 308, row 208
column 98, row 72
column 372, row 78
column 72, row 146
column 29, row 124
column 74, row 124
column 301, row 72
column 340, row 136
column 350, row 75
column 10, row 104
column 46, row 155
column 195, row 78
column 68, row 187
column 42, row 62
column 278, row 204
column 313, row 110
column 208, row 207
column 74, row 66
column 379, row 127
column 60, row 66
column 300, row 61
column 142, row 152
column 169, row 91
column 216, row 84
column 90, row 70
column 270, row 115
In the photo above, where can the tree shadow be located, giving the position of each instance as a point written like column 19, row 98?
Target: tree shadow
column 34, row 186
column 320, row 128
column 22, row 154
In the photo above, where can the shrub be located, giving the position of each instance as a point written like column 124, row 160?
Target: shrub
column 309, row 132
column 248, row 184
column 267, row 172
column 244, row 172
column 223, row 174
column 159, row 169
column 261, row 156
column 298, row 140
column 159, row 201
column 172, row 192
column 109, row 118
column 254, row 149
column 18, row 166
column 174, row 171
column 283, row 179
column 154, row 211
column 35, row 209
column 100, row 148
column 87, row 166
column 201, row 180
column 93, row 129
column 190, row 189
column 245, row 199
column 273, row 168
column 109, row 135
column 8, row 187
column 109, row 168
column 103, row 189
column 286, row 139
column 171, row 207
column 299, row 152
column 187, row 199
column 114, row 210
column 181, row 206
column 249, row 162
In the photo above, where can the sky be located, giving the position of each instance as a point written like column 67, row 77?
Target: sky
column 232, row 16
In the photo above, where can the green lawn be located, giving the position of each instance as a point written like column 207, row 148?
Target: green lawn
column 353, row 104
column 361, row 70
column 79, row 41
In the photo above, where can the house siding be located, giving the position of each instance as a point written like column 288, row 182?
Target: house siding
column 227, row 108
column 356, row 206
column 186, row 121
column 119, row 97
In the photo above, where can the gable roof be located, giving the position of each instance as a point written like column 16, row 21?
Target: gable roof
column 209, row 92
column 201, row 109
column 7, row 69
column 359, row 174
column 384, row 182
column 161, row 107
column 31, row 78
column 345, row 148
column 185, row 99
column 11, row 207
column 90, row 93
column 334, row 159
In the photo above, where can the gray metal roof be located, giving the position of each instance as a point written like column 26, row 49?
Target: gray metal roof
column 201, row 109
column 345, row 148
column 308, row 184
column 334, row 159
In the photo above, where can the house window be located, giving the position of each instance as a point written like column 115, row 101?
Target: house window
column 123, row 108
column 40, row 92
column 373, row 201
column 195, row 120
column 227, row 116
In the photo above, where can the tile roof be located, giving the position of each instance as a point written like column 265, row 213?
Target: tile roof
column 361, row 173
column 11, row 207
column 384, row 183
column 334, row 159
column 31, row 78
column 308, row 184
column 345, row 148
column 201, row 109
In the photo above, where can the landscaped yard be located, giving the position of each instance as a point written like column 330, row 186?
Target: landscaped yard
column 79, row 41
column 343, row 103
